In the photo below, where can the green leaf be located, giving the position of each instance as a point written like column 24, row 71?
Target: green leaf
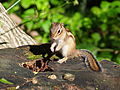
column 29, row 15
column 112, row 12
column 26, row 3
column 75, row 2
column 96, row 37
column 56, row 2
column 118, row 10
column 106, row 55
column 96, row 11
column 6, row 5
column 105, row 5
column 118, row 59
column 87, row 22
column 29, row 11
column 115, row 3
column 29, row 25
column 5, row 81
column 45, row 39
column 46, row 26
column 77, row 16
column 42, row 4
column 103, row 27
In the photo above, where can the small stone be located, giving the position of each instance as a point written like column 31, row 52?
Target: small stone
column 52, row 77
column 34, row 80
column 69, row 76
column 17, row 87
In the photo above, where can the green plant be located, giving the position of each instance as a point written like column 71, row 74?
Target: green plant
column 96, row 28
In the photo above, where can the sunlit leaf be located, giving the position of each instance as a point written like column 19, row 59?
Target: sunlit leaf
column 105, row 5
column 76, row 2
column 96, row 37
column 115, row 3
column 29, row 25
column 46, row 26
column 3, row 80
column 96, row 11
column 26, row 3
column 103, row 27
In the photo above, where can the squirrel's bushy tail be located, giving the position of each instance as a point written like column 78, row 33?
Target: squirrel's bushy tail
column 90, row 60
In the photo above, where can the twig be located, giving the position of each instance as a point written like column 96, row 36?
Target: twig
column 104, row 50
column 13, row 5
column 10, row 7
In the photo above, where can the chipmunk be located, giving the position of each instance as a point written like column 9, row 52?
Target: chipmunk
column 63, row 41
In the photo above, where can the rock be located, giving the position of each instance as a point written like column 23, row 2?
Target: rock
column 69, row 76
column 52, row 77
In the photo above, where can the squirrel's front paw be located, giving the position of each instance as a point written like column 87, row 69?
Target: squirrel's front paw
column 52, row 49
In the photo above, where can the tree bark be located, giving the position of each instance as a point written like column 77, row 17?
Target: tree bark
column 72, row 75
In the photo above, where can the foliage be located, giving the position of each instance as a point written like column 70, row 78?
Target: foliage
column 5, row 81
column 95, row 26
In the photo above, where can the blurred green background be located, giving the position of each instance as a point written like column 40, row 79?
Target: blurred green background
column 95, row 23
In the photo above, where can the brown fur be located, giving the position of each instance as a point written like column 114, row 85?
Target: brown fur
column 68, row 40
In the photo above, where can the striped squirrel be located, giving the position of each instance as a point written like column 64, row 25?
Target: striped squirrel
column 63, row 41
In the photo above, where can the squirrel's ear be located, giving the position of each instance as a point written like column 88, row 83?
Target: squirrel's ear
column 62, row 24
column 54, row 23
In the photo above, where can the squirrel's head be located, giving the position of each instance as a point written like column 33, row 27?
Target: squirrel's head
column 57, row 31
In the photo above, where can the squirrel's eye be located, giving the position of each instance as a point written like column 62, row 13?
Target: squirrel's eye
column 58, row 31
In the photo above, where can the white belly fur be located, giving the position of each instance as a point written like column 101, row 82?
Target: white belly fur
column 65, row 50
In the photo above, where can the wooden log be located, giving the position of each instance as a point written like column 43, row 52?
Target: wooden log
column 72, row 75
